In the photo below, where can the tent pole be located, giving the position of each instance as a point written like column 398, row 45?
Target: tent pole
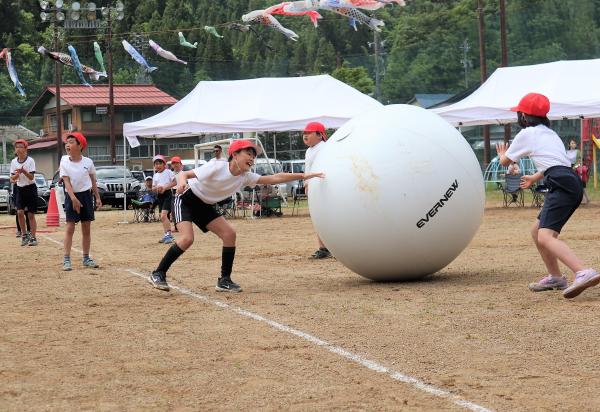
column 124, row 221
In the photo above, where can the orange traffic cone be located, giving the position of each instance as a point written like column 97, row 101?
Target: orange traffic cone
column 52, row 218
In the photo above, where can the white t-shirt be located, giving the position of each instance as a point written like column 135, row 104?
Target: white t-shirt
column 78, row 172
column 214, row 182
column 311, row 155
column 28, row 165
column 163, row 178
column 542, row 145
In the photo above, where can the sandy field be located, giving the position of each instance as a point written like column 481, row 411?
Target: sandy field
column 304, row 335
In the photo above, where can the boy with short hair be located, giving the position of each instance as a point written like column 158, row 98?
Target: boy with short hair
column 314, row 136
column 162, row 182
column 79, row 177
column 22, row 169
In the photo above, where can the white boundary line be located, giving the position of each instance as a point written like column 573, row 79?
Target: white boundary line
column 338, row 350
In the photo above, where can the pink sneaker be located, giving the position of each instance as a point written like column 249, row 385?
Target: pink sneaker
column 583, row 279
column 549, row 283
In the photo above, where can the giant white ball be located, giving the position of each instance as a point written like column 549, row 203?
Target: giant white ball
column 403, row 193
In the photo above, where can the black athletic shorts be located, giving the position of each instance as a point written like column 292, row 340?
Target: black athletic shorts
column 86, row 213
column 189, row 208
column 164, row 201
column 565, row 192
column 26, row 198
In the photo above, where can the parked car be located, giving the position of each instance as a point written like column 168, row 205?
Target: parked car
column 138, row 175
column 4, row 191
column 113, row 181
column 293, row 166
column 189, row 164
column 261, row 166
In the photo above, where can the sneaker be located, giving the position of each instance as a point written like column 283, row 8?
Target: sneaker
column 90, row 263
column 321, row 253
column 25, row 240
column 32, row 241
column 227, row 285
column 167, row 239
column 549, row 283
column 18, row 233
column 67, row 265
column 159, row 280
column 583, row 280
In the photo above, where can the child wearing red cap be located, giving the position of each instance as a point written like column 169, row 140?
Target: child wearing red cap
column 547, row 152
column 198, row 190
column 314, row 136
column 22, row 169
column 79, row 177
column 162, row 182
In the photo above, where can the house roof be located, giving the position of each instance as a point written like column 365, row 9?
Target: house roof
column 124, row 95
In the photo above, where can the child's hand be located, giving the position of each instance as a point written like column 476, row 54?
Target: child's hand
column 76, row 204
column 180, row 188
column 98, row 202
column 160, row 189
column 501, row 149
column 526, row 181
column 315, row 174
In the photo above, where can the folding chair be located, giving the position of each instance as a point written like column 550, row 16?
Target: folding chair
column 539, row 195
column 144, row 210
column 298, row 195
column 513, row 194
column 227, row 207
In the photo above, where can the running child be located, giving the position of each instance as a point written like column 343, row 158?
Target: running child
column 547, row 152
column 198, row 190
column 79, row 178
column 22, row 171
column 314, row 136
column 162, row 182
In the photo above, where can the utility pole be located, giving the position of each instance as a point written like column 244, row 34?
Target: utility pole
column 504, row 51
column 111, row 102
column 377, row 69
column 483, row 77
column 59, row 142
column 465, row 48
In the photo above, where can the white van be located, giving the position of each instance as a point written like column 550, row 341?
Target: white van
column 293, row 166
column 261, row 166
column 189, row 164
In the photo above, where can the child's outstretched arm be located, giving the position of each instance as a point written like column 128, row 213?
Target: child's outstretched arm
column 287, row 177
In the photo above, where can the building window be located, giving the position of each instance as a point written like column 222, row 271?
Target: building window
column 89, row 116
column 52, row 122
column 129, row 117
column 67, row 123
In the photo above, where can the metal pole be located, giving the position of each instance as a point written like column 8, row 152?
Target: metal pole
column 4, row 157
column 504, row 51
column 111, row 102
column 124, row 182
column 483, row 77
column 377, row 74
column 59, row 143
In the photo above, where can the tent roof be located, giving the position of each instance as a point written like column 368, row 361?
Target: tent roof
column 572, row 87
column 265, row 104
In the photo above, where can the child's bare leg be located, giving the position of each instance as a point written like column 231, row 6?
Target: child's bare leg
column 548, row 240
column 549, row 259
column 186, row 235
column 68, row 240
column 32, row 224
column 165, row 221
column 21, row 218
column 223, row 230
column 86, row 240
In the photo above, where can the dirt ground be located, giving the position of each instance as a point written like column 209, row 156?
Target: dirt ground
column 104, row 339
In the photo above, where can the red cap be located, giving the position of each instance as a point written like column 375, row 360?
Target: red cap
column 21, row 141
column 237, row 145
column 80, row 138
column 159, row 157
column 175, row 159
column 316, row 127
column 533, row 104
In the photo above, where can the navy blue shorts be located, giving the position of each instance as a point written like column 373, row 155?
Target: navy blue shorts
column 86, row 213
column 164, row 201
column 565, row 192
column 26, row 198
column 190, row 208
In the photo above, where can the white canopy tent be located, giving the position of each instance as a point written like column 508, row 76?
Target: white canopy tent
column 572, row 87
column 256, row 105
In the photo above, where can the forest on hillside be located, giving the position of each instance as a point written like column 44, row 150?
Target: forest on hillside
column 422, row 45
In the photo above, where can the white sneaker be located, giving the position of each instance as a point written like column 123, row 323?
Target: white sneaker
column 583, row 279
